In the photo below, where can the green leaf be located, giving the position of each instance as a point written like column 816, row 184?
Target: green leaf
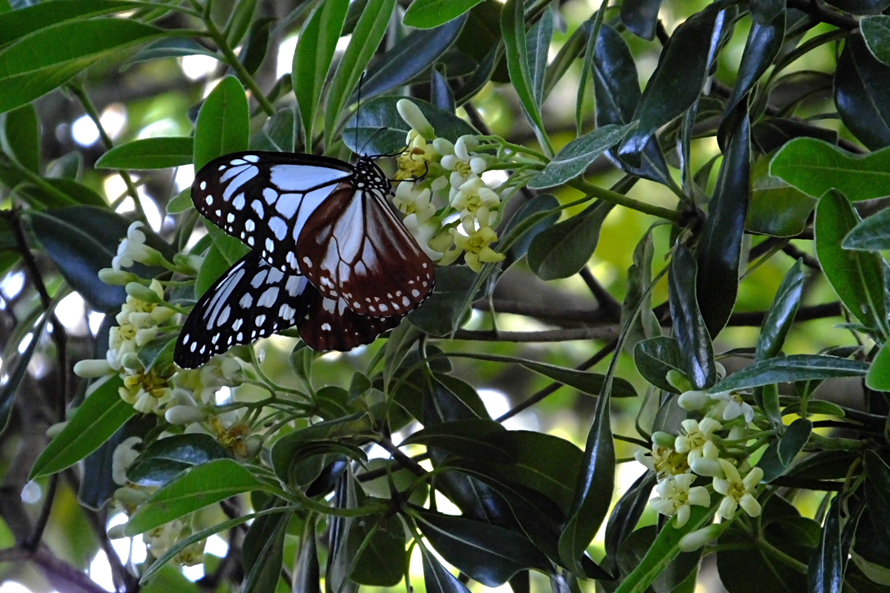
column 781, row 315
column 426, row 14
column 239, row 21
column 655, row 358
column 719, row 249
column 826, row 570
column 641, row 17
column 577, row 155
column 81, row 240
column 797, row 367
column 689, row 327
column 15, row 24
column 781, row 453
column 626, row 514
column 99, row 417
column 876, row 32
column 444, row 310
column 313, row 57
column 306, row 571
column 537, row 48
column 519, row 65
column 877, row 492
column 878, row 377
column 856, row 276
column 637, row 303
column 384, row 560
column 165, row 458
column 776, row 208
column 37, row 63
column 583, row 381
column 485, row 552
column 20, row 137
column 814, row 166
column 263, row 552
column 668, row 95
column 544, row 209
column 861, row 84
column 279, row 133
column 149, row 153
column 366, row 36
column 872, row 234
column 467, row 438
column 16, row 359
column 438, row 580
column 195, row 489
column 223, row 124
column 566, row 247
column 172, row 47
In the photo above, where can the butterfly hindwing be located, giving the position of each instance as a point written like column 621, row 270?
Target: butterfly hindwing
column 331, row 325
column 250, row 301
column 265, row 198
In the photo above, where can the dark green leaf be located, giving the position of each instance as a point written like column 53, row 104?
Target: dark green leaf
column 861, row 85
column 872, row 234
column 485, row 552
column 534, row 207
column 173, row 47
column 286, row 448
column 860, row 6
column 626, row 514
column 797, row 367
column 467, row 438
column 720, row 245
column 826, row 570
column 20, row 137
column 426, row 14
column 81, row 240
column 537, row 49
column 668, row 95
column 856, row 276
column 584, row 381
column 165, row 458
column 877, row 492
column 566, row 247
column 14, row 366
column 279, row 133
column 306, row 577
column 256, row 46
column 149, row 153
column 195, row 489
column 878, row 377
column 438, row 580
column 313, row 57
column 366, row 36
column 764, row 11
column 638, row 302
column 263, row 552
column 773, row 133
column 781, row 315
column 383, row 560
column 689, row 328
column 814, row 166
column 781, row 453
column 37, row 63
column 441, row 94
column 655, row 358
column 776, row 208
column 378, row 128
column 641, row 17
column 577, row 155
column 444, row 310
column 223, row 124
column 239, row 21
column 876, row 32
column 99, row 417
column 15, row 24
column 409, row 57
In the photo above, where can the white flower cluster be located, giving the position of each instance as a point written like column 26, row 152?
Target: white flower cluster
column 715, row 447
column 449, row 209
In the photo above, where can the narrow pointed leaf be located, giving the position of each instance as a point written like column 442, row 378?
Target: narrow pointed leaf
column 149, row 153
column 263, row 551
column 878, row 377
column 877, row 492
column 538, row 46
column 876, row 32
column 223, row 124
column 872, row 234
column 306, row 575
column 426, row 14
column 577, row 155
column 690, row 331
column 826, row 570
column 566, row 247
column 796, row 367
column 436, row 578
column 15, row 24
column 655, row 358
column 641, row 17
column 781, row 315
column 861, row 85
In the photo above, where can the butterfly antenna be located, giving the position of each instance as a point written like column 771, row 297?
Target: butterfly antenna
column 358, row 108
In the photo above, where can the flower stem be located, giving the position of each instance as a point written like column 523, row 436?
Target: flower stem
column 622, row 200
column 239, row 68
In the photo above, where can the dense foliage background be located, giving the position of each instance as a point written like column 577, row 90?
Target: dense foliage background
column 659, row 226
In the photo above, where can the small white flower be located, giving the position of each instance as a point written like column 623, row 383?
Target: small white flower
column 476, row 201
column 414, row 117
column 184, row 414
column 693, row 400
column 737, row 492
column 133, row 249
column 411, row 199
column 697, row 440
column 676, row 495
column 424, row 233
column 90, row 369
column 700, row 538
column 122, row 458
column 730, row 406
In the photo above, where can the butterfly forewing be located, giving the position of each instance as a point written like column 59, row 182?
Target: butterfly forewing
column 251, row 301
column 265, row 198
column 353, row 247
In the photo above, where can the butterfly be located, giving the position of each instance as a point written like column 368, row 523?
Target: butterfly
column 328, row 254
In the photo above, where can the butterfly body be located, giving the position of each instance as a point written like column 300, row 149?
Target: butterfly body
column 328, row 254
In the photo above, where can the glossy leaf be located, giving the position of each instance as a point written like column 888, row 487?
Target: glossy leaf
column 306, row 574
column 165, row 458
column 81, row 240
column 20, row 138
column 720, row 245
column 781, row 315
column 383, row 559
column 668, row 95
column 764, row 11
column 409, row 57
column 313, row 57
column 856, row 276
column 173, row 47
column 37, row 63
column 815, row 167
column 377, row 128
column 486, row 553
column 566, row 247
column 535, row 207
column 223, row 124
column 872, row 234
column 773, row 133
column 577, row 155
column 15, row 24
column 263, row 551
column 436, row 578
column 99, row 417
column 537, row 47
column 655, row 358
column 519, row 65
column 826, row 570
column 796, row 367
column 593, row 493
column 776, row 208
column 860, row 6
column 638, row 301
column 780, row 454
column 279, row 133
column 876, row 32
column 441, row 94
column 641, row 17
column 149, row 153
column 366, row 36
column 239, row 21
column 861, row 85
column 697, row 354
column 626, row 514
column 468, row 438
column 426, row 14
column 878, row 377
column 445, row 310
column 195, row 489
column 877, row 492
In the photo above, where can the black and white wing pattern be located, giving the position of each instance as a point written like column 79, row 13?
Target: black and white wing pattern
column 265, row 198
column 250, row 301
column 355, row 248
